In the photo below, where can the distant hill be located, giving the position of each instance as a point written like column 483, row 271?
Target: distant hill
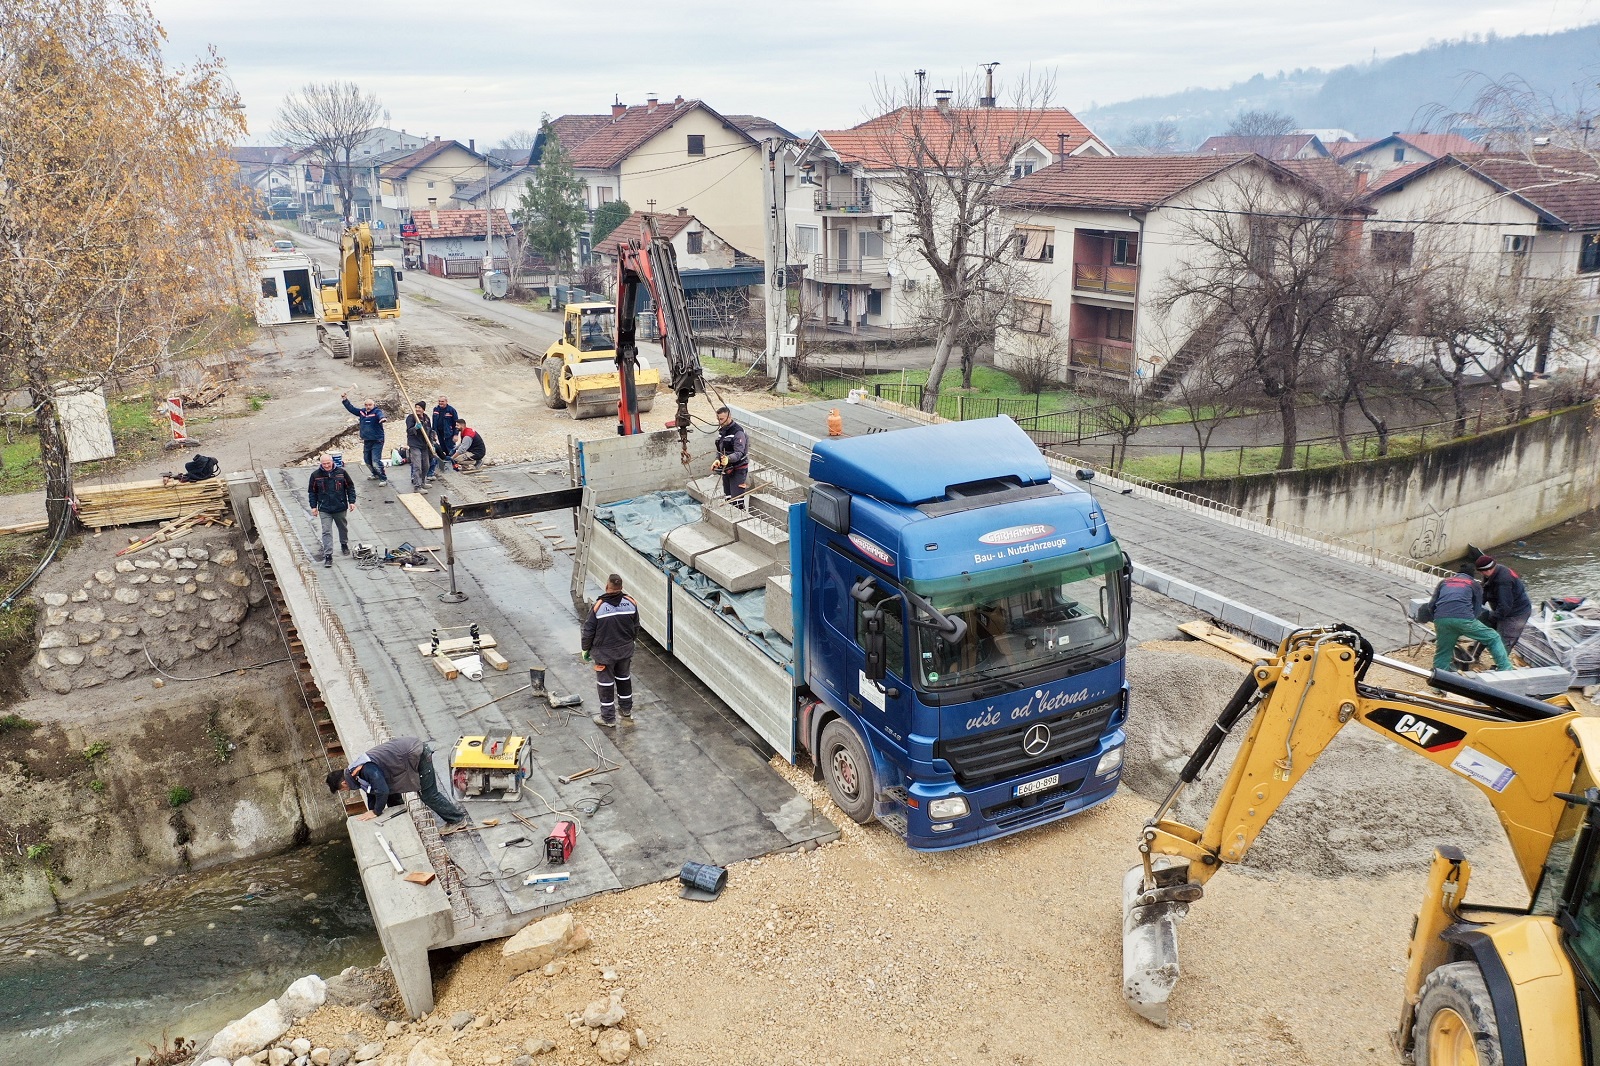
column 1370, row 99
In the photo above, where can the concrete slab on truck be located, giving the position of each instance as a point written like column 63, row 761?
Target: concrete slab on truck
column 692, row 781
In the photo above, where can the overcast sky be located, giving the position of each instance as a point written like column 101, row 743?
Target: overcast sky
column 480, row 69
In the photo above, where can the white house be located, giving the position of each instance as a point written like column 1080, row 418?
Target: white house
column 452, row 243
column 1401, row 149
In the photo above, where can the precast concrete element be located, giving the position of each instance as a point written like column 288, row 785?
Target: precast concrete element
column 780, row 606
column 738, row 567
column 410, row 918
column 688, row 543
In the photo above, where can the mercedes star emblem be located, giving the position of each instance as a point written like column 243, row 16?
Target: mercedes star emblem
column 1036, row 739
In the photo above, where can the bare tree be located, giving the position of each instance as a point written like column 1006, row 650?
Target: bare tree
column 948, row 163
column 1215, row 388
column 1037, row 360
column 1154, row 138
column 1267, row 265
column 1125, row 407
column 1378, row 311
column 1511, row 116
column 1260, row 124
column 520, row 140
column 330, row 120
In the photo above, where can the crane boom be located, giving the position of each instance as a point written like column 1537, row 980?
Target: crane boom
column 653, row 264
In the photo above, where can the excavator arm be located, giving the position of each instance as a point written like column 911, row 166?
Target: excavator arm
column 1518, row 752
column 654, row 265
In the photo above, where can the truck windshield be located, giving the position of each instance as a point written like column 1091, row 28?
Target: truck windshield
column 1021, row 619
column 596, row 331
column 384, row 292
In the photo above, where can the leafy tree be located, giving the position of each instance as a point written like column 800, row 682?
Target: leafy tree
column 120, row 212
column 330, row 120
column 551, row 206
column 608, row 216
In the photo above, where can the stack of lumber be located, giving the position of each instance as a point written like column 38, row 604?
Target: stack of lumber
column 178, row 527
column 132, row 502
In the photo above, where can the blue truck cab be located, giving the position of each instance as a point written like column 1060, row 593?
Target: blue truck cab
column 961, row 629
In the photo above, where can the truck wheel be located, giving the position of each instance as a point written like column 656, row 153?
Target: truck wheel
column 1455, row 1023
column 550, row 381
column 847, row 770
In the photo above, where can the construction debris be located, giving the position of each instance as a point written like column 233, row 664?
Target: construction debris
column 179, row 527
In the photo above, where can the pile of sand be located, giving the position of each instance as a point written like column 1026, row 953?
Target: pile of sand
column 1366, row 807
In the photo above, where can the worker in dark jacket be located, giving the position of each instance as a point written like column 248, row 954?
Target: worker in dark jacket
column 404, row 764
column 470, row 449
column 445, row 419
column 1455, row 606
column 371, row 418
column 1507, row 597
column 733, row 458
column 608, row 641
column 332, row 496
column 419, row 445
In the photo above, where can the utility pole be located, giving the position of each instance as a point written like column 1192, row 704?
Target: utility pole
column 775, row 186
column 488, row 217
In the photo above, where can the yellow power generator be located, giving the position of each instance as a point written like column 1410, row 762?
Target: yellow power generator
column 493, row 763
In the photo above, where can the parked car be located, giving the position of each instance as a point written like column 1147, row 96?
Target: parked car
column 283, row 246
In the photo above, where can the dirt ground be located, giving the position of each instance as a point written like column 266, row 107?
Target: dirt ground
column 1009, row 952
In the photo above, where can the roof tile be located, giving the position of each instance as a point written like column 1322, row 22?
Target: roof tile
column 458, row 223
column 881, row 143
column 1121, row 183
column 632, row 228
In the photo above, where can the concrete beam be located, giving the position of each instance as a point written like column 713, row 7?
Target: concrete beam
column 410, row 918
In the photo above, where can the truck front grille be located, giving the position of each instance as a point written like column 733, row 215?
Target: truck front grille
column 984, row 758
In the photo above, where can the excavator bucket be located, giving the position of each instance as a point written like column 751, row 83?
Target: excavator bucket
column 371, row 339
column 1149, row 949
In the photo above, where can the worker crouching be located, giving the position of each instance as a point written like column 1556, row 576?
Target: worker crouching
column 391, row 769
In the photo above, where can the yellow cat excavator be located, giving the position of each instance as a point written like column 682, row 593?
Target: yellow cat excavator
column 1485, row 986
column 361, row 307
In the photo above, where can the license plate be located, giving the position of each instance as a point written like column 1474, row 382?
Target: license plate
column 1037, row 786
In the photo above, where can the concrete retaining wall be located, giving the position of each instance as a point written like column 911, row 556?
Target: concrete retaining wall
column 1485, row 490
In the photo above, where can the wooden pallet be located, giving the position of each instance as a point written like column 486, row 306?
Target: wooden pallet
column 422, row 509
column 135, row 502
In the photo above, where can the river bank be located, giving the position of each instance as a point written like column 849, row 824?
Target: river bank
column 83, row 983
column 1560, row 561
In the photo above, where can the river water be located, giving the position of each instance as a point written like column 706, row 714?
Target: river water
column 1563, row 560
column 90, row 992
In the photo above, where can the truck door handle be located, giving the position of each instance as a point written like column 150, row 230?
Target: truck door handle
column 855, row 702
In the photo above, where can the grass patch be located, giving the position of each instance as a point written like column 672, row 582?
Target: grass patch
column 39, row 852
column 96, row 750
column 135, row 429
column 97, row 786
column 988, row 383
column 1234, row 462
column 19, row 554
column 15, row 723
column 178, row 795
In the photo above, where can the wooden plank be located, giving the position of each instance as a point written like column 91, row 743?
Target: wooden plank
column 34, row 526
column 422, row 509
column 1221, row 638
column 457, row 645
column 495, row 659
column 445, row 667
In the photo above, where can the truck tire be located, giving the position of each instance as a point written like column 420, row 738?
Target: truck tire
column 550, row 382
column 1455, row 1023
column 847, row 770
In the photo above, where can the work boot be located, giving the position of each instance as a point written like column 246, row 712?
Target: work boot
column 603, row 722
column 344, row 549
column 327, row 561
column 627, row 715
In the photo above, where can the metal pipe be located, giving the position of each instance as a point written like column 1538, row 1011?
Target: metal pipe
column 455, row 595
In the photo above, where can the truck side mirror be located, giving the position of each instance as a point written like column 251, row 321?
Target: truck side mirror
column 874, row 644
column 1126, row 587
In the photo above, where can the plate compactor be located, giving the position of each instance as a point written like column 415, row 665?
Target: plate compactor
column 496, row 762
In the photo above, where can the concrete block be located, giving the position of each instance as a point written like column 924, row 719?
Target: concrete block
column 705, row 489
column 690, row 542
column 1208, row 603
column 780, row 606
column 723, row 516
column 1237, row 614
column 774, row 509
column 410, row 918
column 737, row 567
column 764, row 536
column 1537, row 681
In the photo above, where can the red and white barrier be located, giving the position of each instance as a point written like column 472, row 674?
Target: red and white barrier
column 174, row 410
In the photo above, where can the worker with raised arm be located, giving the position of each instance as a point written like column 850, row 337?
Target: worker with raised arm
column 1507, row 597
column 733, row 458
column 384, row 773
column 371, row 417
column 1455, row 606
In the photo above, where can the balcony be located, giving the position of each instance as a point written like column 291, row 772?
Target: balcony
column 1104, row 278
column 1102, row 357
column 873, row 272
column 843, row 203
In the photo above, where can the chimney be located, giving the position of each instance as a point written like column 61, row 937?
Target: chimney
column 651, row 102
column 618, row 107
column 433, row 212
column 683, row 212
column 1061, row 147
column 678, row 102
column 987, row 99
column 472, row 144
column 941, row 99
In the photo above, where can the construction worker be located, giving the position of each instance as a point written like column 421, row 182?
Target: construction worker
column 332, row 496
column 470, row 450
column 608, row 642
column 445, row 420
column 371, row 418
column 733, row 458
column 404, row 764
column 1507, row 597
column 419, row 445
column 1454, row 610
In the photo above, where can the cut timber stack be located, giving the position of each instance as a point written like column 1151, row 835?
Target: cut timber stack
column 133, row 502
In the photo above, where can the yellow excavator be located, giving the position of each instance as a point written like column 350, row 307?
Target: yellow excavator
column 361, row 306
column 1484, row 985
column 580, row 369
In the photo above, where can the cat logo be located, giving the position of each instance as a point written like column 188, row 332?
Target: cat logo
column 1425, row 733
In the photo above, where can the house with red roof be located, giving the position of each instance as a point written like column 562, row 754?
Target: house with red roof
column 455, row 244
column 842, row 202
column 429, row 176
column 1280, row 147
column 1400, row 149
column 1095, row 239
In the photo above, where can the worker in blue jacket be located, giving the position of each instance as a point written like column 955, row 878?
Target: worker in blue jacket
column 371, row 418
column 1454, row 611
column 445, row 419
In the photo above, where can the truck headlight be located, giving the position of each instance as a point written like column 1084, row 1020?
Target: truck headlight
column 947, row 810
column 1108, row 762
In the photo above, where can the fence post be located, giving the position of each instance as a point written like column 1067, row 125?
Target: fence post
column 1181, row 450
column 1241, row 461
column 1306, row 463
column 961, row 408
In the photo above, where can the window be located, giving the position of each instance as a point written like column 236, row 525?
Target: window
column 693, row 241
column 430, row 184
column 697, row 144
column 1399, row 155
column 1392, row 248
column 1592, row 326
column 871, row 244
column 1033, row 316
column 1036, row 244
column 875, row 302
column 1125, row 251
column 1119, row 325
column 1589, row 254
column 269, row 288
column 1022, row 170
column 805, row 240
column 807, row 177
column 604, row 192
